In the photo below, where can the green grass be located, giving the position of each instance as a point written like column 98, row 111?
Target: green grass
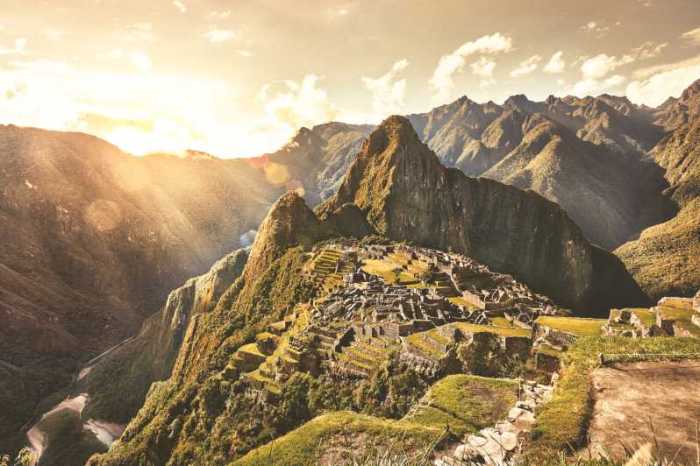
column 502, row 322
column 303, row 446
column 578, row 326
column 459, row 301
column 562, row 422
column 251, row 348
column 387, row 267
column 419, row 341
column 466, row 403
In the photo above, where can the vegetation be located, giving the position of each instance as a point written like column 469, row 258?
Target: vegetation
column 465, row 403
column 575, row 325
column 304, row 446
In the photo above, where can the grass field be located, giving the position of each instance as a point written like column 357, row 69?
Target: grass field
column 466, row 403
column 579, row 326
column 304, row 446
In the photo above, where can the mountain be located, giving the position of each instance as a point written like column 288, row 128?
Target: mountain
column 315, row 159
column 229, row 391
column 406, row 194
column 611, row 196
column 587, row 155
column 93, row 241
column 675, row 113
column 665, row 257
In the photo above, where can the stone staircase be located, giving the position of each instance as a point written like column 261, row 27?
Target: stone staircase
column 329, row 268
column 499, row 445
column 364, row 356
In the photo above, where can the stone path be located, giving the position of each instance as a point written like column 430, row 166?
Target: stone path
column 498, row 445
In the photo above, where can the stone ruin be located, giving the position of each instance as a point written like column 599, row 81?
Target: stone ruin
column 487, row 293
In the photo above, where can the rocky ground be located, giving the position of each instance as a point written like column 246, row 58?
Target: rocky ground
column 642, row 403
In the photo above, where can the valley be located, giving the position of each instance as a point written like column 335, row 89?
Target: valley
column 465, row 250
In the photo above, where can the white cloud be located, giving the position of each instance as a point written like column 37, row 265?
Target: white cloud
column 442, row 80
column 223, row 14
column 556, row 64
column 654, row 85
column 54, row 34
column 595, row 70
column 648, row 50
column 180, row 5
column 692, row 36
column 596, row 86
column 295, row 104
column 217, row 36
column 141, row 61
column 601, row 65
column 137, row 58
column 20, row 48
column 526, row 66
column 139, row 32
column 388, row 91
column 483, row 67
column 140, row 112
column 596, row 28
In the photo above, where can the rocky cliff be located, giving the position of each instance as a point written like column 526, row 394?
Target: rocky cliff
column 406, row 194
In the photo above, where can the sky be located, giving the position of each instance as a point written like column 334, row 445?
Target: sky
column 238, row 78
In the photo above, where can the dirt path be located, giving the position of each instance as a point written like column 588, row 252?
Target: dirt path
column 647, row 402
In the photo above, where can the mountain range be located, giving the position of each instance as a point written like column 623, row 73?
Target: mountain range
column 95, row 240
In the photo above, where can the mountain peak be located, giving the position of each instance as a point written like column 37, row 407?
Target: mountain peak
column 289, row 223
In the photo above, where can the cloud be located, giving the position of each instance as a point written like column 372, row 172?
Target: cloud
column 596, row 28
column 388, row 91
column 296, row 104
column 442, row 81
column 141, row 61
column 556, row 64
column 217, row 36
column 180, row 5
column 601, row 65
column 654, row 85
column 20, row 47
column 139, row 32
column 138, row 59
column 483, row 67
column 595, row 70
column 54, row 34
column 140, row 112
column 596, row 86
column 527, row 66
column 648, row 50
column 223, row 14
column 692, row 36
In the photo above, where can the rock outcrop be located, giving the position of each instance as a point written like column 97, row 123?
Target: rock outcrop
column 406, row 194
column 117, row 381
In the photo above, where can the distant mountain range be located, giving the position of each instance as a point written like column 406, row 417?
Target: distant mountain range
column 94, row 239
